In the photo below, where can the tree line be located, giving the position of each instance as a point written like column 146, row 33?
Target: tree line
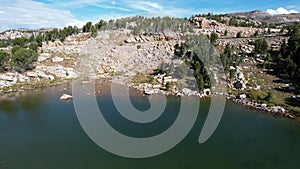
column 24, row 50
column 197, row 52
column 234, row 20
column 140, row 24
column 288, row 59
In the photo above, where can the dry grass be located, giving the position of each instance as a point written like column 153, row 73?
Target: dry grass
column 271, row 83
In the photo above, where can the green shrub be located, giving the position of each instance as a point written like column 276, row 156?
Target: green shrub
column 261, row 46
column 269, row 99
column 4, row 58
column 23, row 59
column 213, row 38
column 226, row 32
column 144, row 78
column 34, row 46
column 256, row 34
column 15, row 48
column 257, row 95
column 239, row 35
column 168, row 86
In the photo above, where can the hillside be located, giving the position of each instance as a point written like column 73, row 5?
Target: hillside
column 161, row 56
column 267, row 18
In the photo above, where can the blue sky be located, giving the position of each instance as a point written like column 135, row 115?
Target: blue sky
column 36, row 14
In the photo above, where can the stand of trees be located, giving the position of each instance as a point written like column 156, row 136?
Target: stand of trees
column 228, row 58
column 196, row 51
column 4, row 58
column 213, row 38
column 233, row 21
column 25, row 50
column 140, row 24
column 261, row 46
column 242, row 22
column 57, row 34
column 218, row 18
column 21, row 57
column 288, row 60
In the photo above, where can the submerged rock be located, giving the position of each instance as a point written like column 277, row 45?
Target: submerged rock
column 65, row 97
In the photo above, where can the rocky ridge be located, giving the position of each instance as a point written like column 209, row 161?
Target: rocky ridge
column 268, row 18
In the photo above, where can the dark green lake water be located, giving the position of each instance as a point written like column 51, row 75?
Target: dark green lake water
column 39, row 132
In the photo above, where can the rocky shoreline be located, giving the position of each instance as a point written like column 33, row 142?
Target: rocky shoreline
column 159, row 89
column 277, row 111
column 148, row 89
column 120, row 55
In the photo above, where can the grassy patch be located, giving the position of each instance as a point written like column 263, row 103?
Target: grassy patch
column 119, row 73
column 5, row 88
column 144, row 78
column 257, row 95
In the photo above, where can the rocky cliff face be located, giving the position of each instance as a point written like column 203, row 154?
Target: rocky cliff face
column 268, row 18
column 116, row 53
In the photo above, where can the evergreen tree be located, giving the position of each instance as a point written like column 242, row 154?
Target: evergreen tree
column 261, row 46
column 23, row 59
column 87, row 27
column 4, row 58
column 213, row 38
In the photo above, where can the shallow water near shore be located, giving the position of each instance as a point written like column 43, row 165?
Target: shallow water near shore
column 39, row 131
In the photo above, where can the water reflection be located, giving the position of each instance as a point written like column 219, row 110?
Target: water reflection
column 26, row 101
column 8, row 106
column 3, row 164
column 31, row 102
column 39, row 131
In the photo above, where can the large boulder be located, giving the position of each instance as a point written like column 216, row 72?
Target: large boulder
column 60, row 73
column 130, row 40
column 57, row 59
column 243, row 96
column 32, row 74
column 44, row 57
column 239, row 85
column 65, row 97
column 7, row 77
column 207, row 92
column 71, row 74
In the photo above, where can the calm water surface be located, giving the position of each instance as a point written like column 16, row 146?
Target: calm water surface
column 39, row 132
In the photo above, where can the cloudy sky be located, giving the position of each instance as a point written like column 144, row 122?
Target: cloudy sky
column 35, row 14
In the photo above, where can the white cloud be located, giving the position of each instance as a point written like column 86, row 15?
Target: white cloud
column 111, row 7
column 75, row 3
column 179, row 12
column 33, row 15
column 152, row 4
column 146, row 6
column 153, row 9
column 77, row 23
column 281, row 10
column 56, row 13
